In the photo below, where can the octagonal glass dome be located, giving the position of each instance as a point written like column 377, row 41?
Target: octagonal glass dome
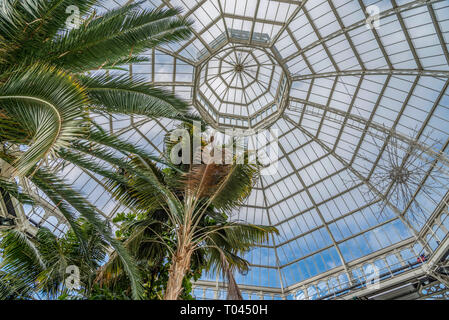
column 241, row 87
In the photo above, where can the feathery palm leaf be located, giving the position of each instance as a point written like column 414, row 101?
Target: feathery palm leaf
column 121, row 95
column 121, row 32
column 47, row 88
column 38, row 265
column 202, row 193
column 59, row 191
column 47, row 104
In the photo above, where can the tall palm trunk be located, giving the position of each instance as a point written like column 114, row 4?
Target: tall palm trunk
column 178, row 269
column 181, row 258
column 234, row 292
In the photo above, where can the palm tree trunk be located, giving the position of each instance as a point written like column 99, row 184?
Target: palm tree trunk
column 234, row 292
column 233, row 289
column 178, row 269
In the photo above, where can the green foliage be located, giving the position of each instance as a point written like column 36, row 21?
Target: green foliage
column 181, row 210
column 153, row 261
column 52, row 79
column 36, row 266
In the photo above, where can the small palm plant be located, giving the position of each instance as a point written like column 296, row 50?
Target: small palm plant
column 43, row 266
column 192, row 200
column 52, row 78
column 140, row 234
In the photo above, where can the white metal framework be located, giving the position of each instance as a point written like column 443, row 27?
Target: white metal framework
column 241, row 86
column 339, row 90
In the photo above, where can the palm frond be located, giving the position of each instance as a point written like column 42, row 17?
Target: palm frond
column 144, row 244
column 47, row 103
column 14, row 288
column 21, row 257
column 123, row 95
column 27, row 25
column 87, row 163
column 98, row 135
column 14, row 190
column 242, row 236
column 12, row 131
column 56, row 190
column 121, row 64
column 149, row 176
column 35, row 266
column 231, row 239
column 236, row 187
column 121, row 32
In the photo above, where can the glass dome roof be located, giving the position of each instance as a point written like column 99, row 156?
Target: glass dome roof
column 343, row 93
column 241, row 87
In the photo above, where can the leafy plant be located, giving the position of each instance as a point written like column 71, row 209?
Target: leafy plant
column 53, row 79
column 152, row 259
column 188, row 202
column 36, row 267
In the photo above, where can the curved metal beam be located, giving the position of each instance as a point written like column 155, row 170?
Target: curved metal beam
column 317, row 209
column 384, row 14
column 397, row 212
column 363, row 121
column 394, row 72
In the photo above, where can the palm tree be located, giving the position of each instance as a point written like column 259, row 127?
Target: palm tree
column 37, row 266
column 153, row 258
column 191, row 201
column 53, row 78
